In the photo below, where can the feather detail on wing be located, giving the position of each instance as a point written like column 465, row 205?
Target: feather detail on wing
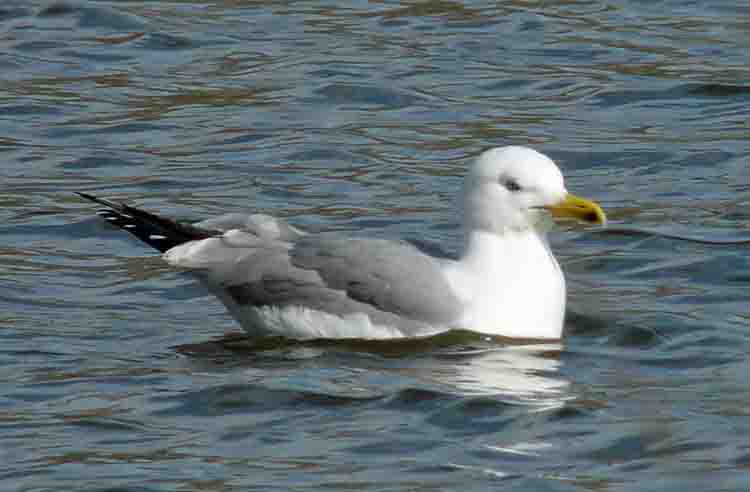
column 387, row 280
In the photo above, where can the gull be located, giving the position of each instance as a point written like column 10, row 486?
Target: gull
column 278, row 280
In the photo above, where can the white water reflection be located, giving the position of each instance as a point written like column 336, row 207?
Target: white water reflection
column 517, row 374
column 527, row 374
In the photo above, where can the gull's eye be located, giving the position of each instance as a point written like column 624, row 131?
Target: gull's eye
column 511, row 184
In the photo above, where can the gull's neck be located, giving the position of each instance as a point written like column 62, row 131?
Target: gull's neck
column 511, row 284
column 486, row 248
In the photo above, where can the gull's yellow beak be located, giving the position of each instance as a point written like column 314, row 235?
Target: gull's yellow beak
column 578, row 208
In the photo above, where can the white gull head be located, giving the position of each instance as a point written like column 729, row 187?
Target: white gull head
column 507, row 189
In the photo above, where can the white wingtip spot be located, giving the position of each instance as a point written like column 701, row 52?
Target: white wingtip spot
column 110, row 217
column 129, row 226
column 157, row 237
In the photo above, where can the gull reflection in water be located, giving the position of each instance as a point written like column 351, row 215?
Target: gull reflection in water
column 526, row 374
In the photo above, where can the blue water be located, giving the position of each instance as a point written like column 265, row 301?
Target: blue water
column 118, row 373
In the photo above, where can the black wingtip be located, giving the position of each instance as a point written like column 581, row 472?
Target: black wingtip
column 87, row 196
column 98, row 200
column 156, row 231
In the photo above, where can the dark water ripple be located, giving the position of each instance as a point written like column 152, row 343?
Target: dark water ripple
column 118, row 374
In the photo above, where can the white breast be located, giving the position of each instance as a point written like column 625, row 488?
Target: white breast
column 511, row 287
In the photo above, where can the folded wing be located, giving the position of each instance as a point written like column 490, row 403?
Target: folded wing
column 391, row 282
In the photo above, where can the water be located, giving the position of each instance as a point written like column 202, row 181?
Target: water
column 117, row 373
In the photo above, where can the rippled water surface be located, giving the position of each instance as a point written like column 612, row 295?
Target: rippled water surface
column 118, row 373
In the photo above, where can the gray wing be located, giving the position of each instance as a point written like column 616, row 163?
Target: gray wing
column 392, row 282
column 261, row 225
column 393, row 276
